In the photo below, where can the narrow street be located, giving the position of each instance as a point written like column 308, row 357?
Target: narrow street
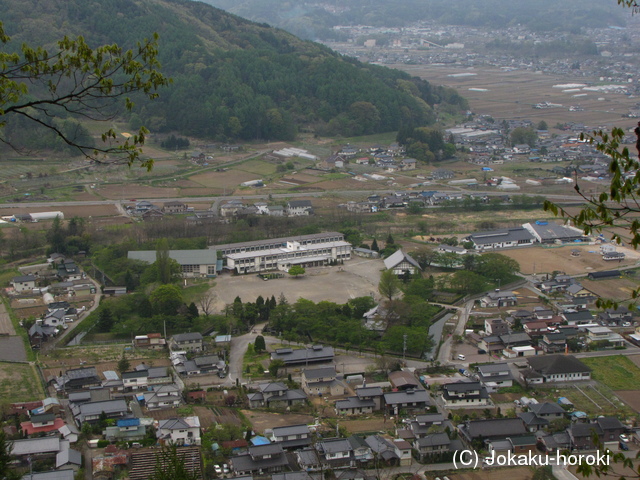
column 445, row 352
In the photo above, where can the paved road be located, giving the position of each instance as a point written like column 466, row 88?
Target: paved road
column 445, row 352
column 238, row 348
column 216, row 199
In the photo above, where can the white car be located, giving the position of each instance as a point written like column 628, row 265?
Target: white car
column 218, row 469
column 225, row 468
column 624, row 438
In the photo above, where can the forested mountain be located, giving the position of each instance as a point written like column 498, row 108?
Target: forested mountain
column 314, row 20
column 232, row 78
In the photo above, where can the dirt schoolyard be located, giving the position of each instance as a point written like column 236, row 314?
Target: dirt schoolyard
column 541, row 260
column 358, row 277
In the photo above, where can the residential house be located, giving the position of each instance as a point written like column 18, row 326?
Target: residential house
column 42, row 424
column 292, row 436
column 431, row 445
column 553, row 342
column 403, row 380
column 610, row 339
column 296, row 208
column 421, row 425
column 495, row 326
column 403, row 451
column 401, row 262
column 492, row 429
column 499, row 298
column 274, row 395
column 150, row 341
column 78, row 379
column 24, row 283
column 163, row 396
column 262, row 460
column 190, row 342
column 125, row 430
column 464, row 394
column 333, row 161
column 547, row 410
column 362, row 453
column 354, row 406
column 578, row 318
column 515, row 339
column 371, row 393
column 555, row 368
column 335, row 453
column 179, row 431
column 578, row 291
column 174, row 206
column 383, row 449
column 533, row 422
column 583, row 435
column 409, row 401
column 91, row 411
column 321, row 381
column 408, row 164
column 494, row 376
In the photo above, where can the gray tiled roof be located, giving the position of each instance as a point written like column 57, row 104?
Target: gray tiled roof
column 409, row 396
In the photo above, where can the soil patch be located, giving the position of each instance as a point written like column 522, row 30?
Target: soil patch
column 630, row 397
column 541, row 260
column 262, row 420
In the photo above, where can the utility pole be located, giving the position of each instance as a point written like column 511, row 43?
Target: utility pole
column 404, row 346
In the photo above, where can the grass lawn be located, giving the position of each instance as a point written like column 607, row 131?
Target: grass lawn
column 256, row 363
column 616, row 372
column 19, row 383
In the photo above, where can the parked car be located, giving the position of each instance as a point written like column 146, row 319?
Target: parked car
column 218, row 469
column 624, row 438
column 624, row 446
column 481, row 351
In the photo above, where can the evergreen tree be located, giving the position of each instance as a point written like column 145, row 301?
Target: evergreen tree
column 7, row 472
column 374, row 246
column 193, row 311
column 129, row 281
column 260, row 345
column 123, row 364
column 163, row 262
column 105, row 320
column 389, row 240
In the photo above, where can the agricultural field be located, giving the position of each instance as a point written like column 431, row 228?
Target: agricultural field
column 262, row 420
column 511, row 94
column 102, row 357
column 617, row 372
column 19, row 383
column 594, row 400
column 613, row 289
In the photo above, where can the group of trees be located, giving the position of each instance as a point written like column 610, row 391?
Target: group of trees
column 342, row 324
column 425, row 144
column 474, row 274
column 69, row 239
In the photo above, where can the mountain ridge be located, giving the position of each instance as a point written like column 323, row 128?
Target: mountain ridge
column 233, row 78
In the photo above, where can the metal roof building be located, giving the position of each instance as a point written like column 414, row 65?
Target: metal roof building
column 194, row 263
